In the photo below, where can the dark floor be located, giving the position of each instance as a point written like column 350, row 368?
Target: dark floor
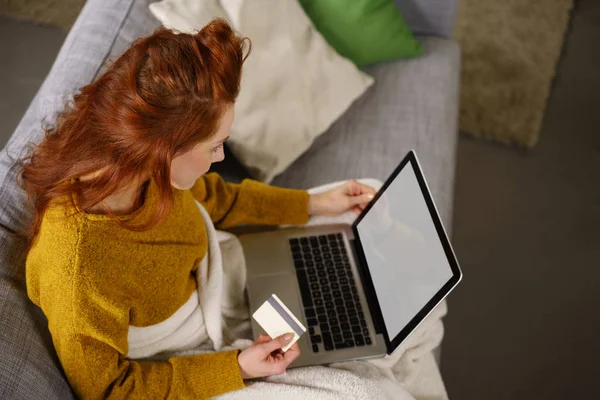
column 523, row 323
column 27, row 53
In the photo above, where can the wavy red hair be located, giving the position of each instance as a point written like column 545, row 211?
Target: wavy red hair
column 164, row 95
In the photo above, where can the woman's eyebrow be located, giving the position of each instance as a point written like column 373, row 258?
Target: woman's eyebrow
column 224, row 140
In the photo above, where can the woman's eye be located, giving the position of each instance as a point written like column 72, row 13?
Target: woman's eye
column 216, row 149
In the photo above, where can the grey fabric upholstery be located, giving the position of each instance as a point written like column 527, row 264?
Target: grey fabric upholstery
column 139, row 23
column 29, row 368
column 429, row 17
column 412, row 105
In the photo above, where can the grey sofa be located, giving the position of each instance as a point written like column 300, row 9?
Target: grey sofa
column 412, row 105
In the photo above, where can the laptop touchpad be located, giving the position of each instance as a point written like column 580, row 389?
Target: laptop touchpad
column 267, row 255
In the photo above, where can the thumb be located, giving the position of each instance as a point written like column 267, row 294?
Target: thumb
column 363, row 198
column 277, row 343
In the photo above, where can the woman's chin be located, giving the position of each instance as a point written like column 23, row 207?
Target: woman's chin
column 179, row 186
column 187, row 185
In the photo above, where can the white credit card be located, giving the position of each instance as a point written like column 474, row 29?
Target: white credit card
column 276, row 319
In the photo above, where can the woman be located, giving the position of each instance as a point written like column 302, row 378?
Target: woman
column 117, row 235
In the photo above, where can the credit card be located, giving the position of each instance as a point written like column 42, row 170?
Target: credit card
column 276, row 319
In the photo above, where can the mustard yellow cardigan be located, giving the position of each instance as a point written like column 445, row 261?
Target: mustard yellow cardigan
column 93, row 279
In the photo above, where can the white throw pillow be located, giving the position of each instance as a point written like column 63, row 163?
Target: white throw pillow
column 294, row 85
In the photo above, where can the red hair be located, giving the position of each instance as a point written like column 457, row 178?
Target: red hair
column 164, row 95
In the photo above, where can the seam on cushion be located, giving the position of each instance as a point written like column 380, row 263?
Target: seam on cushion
column 10, row 172
column 112, row 43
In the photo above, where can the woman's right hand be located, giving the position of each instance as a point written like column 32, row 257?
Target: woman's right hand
column 265, row 358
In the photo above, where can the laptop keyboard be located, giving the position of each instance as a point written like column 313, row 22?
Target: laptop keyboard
column 332, row 308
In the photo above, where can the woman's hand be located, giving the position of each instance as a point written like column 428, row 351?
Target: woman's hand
column 349, row 196
column 265, row 358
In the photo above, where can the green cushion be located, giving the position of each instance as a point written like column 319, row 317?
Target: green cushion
column 364, row 31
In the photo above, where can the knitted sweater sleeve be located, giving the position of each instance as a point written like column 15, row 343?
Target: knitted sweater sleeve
column 250, row 202
column 89, row 327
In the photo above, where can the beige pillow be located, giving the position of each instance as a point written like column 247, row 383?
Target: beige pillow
column 294, row 85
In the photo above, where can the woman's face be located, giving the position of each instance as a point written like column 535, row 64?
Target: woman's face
column 187, row 168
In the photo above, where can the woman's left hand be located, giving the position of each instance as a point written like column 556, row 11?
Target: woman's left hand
column 352, row 195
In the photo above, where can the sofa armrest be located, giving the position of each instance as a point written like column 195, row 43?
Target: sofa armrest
column 29, row 367
column 429, row 17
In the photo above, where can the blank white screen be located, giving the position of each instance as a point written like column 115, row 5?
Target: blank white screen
column 406, row 259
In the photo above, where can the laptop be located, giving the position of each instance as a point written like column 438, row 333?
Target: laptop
column 360, row 289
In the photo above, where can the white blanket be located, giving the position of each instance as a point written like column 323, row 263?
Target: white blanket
column 409, row 373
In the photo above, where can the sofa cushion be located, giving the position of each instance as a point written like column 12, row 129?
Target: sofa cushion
column 139, row 23
column 29, row 368
column 412, row 105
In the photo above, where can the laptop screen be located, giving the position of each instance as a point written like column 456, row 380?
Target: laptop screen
column 406, row 259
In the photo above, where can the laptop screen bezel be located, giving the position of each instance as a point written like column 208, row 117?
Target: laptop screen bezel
column 370, row 293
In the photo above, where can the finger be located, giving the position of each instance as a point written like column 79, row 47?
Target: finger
column 281, row 354
column 277, row 352
column 283, row 361
column 352, row 187
column 365, row 204
column 367, row 189
column 359, row 188
column 262, row 338
column 362, row 199
column 292, row 353
column 295, row 348
column 276, row 343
